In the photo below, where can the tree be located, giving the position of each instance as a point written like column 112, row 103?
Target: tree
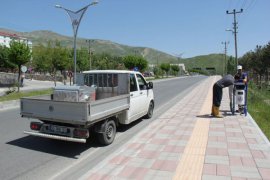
column 60, row 59
column 131, row 62
column 83, row 60
column 165, row 67
column 175, row 69
column 19, row 54
column 41, row 58
column 4, row 61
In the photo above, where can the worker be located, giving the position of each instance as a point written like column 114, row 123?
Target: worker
column 241, row 74
column 226, row 81
column 242, row 77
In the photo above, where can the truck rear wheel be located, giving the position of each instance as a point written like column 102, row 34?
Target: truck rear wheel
column 108, row 136
column 150, row 110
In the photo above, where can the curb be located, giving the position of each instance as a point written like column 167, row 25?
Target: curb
column 249, row 117
column 5, row 105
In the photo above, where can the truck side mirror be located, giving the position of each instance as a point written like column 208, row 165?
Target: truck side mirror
column 150, row 85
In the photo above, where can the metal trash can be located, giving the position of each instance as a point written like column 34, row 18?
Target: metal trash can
column 240, row 97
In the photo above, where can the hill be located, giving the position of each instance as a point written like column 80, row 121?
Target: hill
column 97, row 45
column 100, row 46
column 211, row 62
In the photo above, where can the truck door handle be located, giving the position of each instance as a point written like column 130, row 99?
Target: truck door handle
column 141, row 92
column 131, row 94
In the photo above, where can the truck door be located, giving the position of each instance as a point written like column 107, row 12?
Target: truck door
column 142, row 94
column 134, row 97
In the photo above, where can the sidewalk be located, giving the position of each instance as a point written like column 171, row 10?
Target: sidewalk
column 29, row 85
column 186, row 143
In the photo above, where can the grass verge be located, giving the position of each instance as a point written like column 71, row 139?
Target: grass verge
column 18, row 95
column 259, row 108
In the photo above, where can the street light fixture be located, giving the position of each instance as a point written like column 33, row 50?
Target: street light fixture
column 75, row 18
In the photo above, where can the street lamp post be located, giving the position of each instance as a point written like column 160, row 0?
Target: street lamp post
column 76, row 18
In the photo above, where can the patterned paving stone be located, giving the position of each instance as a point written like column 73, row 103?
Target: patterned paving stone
column 179, row 145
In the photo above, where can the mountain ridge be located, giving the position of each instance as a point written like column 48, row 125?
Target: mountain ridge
column 152, row 55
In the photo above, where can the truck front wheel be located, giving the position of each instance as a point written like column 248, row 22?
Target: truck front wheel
column 108, row 136
column 150, row 110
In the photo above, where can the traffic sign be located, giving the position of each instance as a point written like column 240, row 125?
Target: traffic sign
column 23, row 69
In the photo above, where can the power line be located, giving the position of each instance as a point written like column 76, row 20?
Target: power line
column 243, row 4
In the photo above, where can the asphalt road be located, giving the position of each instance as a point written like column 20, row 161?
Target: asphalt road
column 27, row 157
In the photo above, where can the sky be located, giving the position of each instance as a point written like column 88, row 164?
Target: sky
column 185, row 28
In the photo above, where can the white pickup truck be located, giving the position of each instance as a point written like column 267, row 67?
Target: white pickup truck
column 101, row 100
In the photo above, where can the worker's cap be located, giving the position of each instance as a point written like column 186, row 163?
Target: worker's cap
column 239, row 67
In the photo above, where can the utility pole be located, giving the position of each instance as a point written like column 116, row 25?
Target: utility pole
column 225, row 55
column 234, row 12
column 89, row 52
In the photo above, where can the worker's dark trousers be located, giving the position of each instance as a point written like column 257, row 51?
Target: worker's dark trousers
column 217, row 95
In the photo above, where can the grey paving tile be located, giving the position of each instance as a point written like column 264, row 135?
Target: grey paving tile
column 263, row 147
column 178, row 142
column 211, row 177
column 216, row 126
column 154, row 147
column 216, row 144
column 215, row 133
column 111, row 169
column 245, row 172
column 159, row 175
column 169, row 156
column 213, row 159
column 141, row 162
column 263, row 163
column 239, row 152
column 234, row 130
column 236, row 139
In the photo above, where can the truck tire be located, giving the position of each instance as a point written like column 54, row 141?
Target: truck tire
column 150, row 110
column 108, row 136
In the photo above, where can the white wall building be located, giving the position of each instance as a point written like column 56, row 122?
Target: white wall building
column 6, row 38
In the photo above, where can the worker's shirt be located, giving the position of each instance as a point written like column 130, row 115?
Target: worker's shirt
column 226, row 81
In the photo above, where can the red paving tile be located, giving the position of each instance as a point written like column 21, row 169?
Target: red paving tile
column 147, row 135
column 166, row 131
column 234, row 145
column 159, row 141
column 97, row 176
column 165, row 165
column 210, row 169
column 148, row 154
column 216, row 129
column 133, row 172
column 175, row 149
column 246, row 161
column 217, row 151
column 234, row 134
column 265, row 173
column 257, row 154
column 247, row 131
column 211, row 151
column 251, row 141
column 119, row 160
column 223, row 170
column 235, row 161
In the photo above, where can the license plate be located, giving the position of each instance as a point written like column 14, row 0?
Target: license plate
column 58, row 129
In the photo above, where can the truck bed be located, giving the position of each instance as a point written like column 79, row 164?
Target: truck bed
column 77, row 113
